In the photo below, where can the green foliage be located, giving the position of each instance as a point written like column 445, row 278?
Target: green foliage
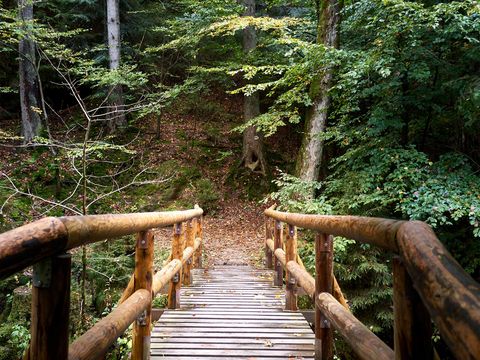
column 401, row 130
column 160, row 301
column 207, row 194
column 16, row 338
column 296, row 195
column 364, row 273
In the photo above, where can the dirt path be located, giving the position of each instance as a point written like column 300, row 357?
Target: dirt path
column 234, row 235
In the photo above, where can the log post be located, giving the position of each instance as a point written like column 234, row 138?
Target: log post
column 268, row 252
column 189, row 240
column 176, row 282
column 50, row 308
column 144, row 253
column 413, row 327
column 278, row 280
column 198, row 263
column 291, row 255
column 323, row 283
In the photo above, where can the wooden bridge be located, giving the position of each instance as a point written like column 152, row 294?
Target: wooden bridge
column 239, row 312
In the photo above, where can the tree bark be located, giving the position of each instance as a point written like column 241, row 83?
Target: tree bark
column 115, row 114
column 310, row 156
column 252, row 154
column 28, row 81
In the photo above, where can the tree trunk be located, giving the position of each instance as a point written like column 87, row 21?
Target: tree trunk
column 116, row 111
column 29, row 87
column 310, row 156
column 252, row 154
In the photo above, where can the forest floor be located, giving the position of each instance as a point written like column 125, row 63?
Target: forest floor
column 234, row 235
column 233, row 228
column 199, row 152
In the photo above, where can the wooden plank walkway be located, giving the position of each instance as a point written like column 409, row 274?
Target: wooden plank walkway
column 232, row 312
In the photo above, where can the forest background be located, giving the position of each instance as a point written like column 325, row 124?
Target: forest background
column 367, row 107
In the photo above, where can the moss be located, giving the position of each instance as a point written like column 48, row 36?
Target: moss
column 254, row 185
column 206, row 194
column 305, row 302
column 160, row 301
column 162, row 196
column 14, row 332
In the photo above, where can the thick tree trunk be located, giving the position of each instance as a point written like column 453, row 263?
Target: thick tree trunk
column 252, row 155
column 28, row 81
column 310, row 156
column 116, row 114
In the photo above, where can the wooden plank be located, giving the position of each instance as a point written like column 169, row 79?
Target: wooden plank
column 232, row 312
column 230, row 316
column 174, row 357
column 238, row 324
column 220, row 322
column 245, row 335
column 227, row 306
column 221, row 309
column 213, row 328
column 233, row 345
column 206, row 340
column 232, row 352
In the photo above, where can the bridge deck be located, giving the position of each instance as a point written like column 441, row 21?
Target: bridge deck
column 232, row 312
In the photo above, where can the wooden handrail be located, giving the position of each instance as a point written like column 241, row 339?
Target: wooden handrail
column 92, row 228
column 88, row 346
column 375, row 231
column 44, row 243
column 355, row 329
column 296, row 267
column 450, row 295
column 28, row 244
column 96, row 341
column 162, row 277
column 365, row 343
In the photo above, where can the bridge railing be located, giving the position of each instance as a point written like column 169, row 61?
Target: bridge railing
column 44, row 244
column 429, row 285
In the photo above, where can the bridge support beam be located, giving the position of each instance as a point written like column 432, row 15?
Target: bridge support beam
column 278, row 235
column 268, row 235
column 323, row 283
column 189, row 242
column 413, row 326
column 50, row 308
column 198, row 262
column 291, row 255
column 144, row 253
column 176, row 282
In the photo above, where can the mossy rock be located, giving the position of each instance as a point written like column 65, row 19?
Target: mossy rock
column 7, row 353
column 206, row 194
column 14, row 332
column 21, row 305
column 255, row 186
